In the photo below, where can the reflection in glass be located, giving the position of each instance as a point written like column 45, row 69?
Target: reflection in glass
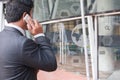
column 70, row 56
column 109, row 47
column 53, row 9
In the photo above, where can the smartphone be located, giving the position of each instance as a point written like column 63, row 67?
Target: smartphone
column 27, row 17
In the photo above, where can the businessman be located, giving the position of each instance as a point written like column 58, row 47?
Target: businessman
column 20, row 57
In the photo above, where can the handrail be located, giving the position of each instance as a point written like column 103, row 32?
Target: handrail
column 108, row 13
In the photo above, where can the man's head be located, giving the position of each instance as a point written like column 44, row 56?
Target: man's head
column 17, row 9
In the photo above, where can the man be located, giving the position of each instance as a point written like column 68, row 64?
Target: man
column 20, row 57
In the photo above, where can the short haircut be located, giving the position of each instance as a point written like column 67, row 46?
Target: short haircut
column 16, row 8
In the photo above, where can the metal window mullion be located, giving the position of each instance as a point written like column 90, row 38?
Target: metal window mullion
column 54, row 11
column 1, row 16
column 92, row 47
column 96, row 45
column 85, row 40
column 43, row 11
column 50, row 5
column 60, row 44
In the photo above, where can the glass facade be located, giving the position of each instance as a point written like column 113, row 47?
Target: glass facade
column 54, row 9
column 57, row 9
column 67, row 42
column 109, row 47
column 67, row 36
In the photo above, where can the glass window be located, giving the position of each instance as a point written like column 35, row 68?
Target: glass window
column 107, row 5
column 109, row 47
column 67, row 42
column 54, row 9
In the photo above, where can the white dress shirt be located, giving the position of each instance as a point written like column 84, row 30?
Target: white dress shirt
column 22, row 31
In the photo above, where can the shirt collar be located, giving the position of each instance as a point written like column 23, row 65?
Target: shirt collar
column 16, row 27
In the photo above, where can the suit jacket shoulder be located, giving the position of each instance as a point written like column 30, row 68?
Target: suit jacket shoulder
column 38, row 54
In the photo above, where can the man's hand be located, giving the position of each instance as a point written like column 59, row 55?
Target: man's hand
column 34, row 27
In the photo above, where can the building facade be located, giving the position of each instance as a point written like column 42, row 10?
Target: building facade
column 92, row 50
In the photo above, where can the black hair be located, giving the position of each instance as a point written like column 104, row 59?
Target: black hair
column 16, row 8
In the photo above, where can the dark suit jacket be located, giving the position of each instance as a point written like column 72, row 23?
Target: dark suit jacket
column 21, row 58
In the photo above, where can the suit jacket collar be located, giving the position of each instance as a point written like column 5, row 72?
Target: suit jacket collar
column 16, row 27
column 13, row 29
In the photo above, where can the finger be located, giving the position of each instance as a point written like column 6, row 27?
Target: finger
column 31, row 22
column 36, row 23
column 29, row 27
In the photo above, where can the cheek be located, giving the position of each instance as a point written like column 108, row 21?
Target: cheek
column 31, row 15
column 25, row 26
